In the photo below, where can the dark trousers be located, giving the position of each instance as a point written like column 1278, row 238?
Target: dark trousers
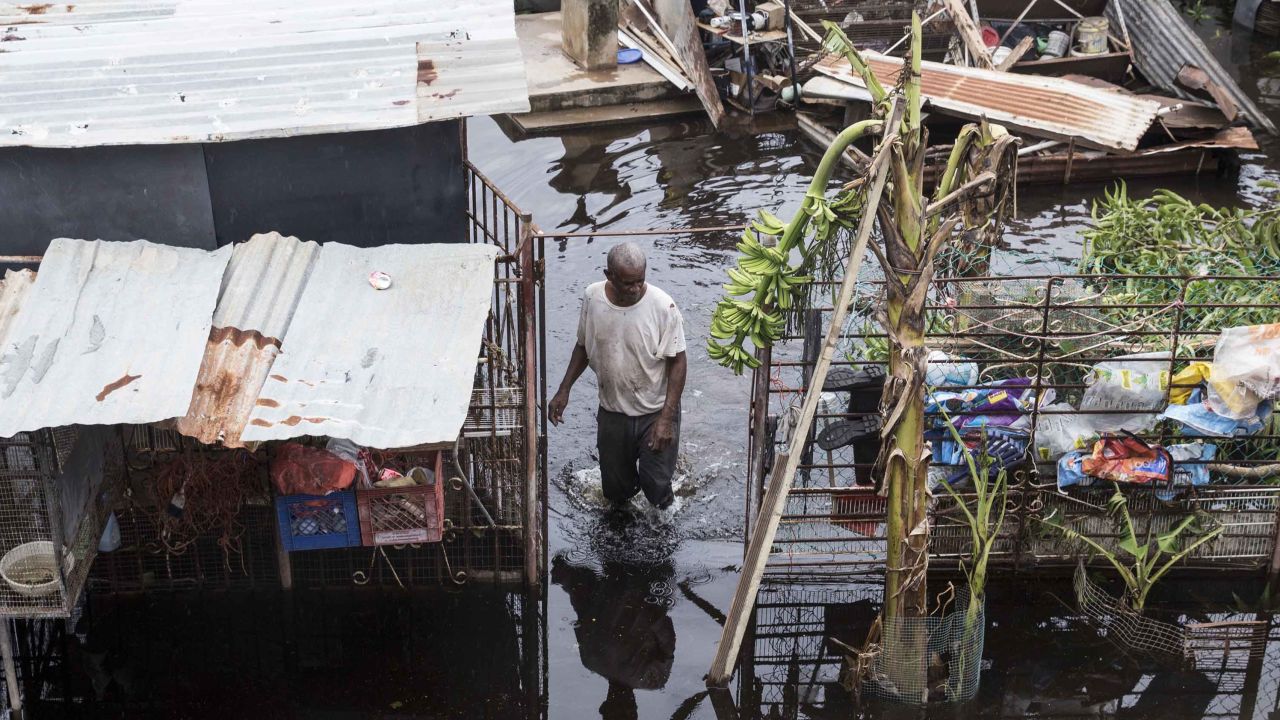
column 627, row 465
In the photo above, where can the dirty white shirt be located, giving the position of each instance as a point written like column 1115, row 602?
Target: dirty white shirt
column 628, row 347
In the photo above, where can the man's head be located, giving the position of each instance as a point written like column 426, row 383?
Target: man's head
column 624, row 270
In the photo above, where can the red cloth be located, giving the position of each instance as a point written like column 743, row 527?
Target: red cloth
column 298, row 469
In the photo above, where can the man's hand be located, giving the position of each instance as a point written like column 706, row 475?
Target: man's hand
column 555, row 409
column 661, row 434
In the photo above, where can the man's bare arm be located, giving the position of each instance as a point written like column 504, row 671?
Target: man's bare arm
column 577, row 365
column 664, row 429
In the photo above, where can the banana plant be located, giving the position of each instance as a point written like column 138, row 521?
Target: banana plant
column 1140, row 563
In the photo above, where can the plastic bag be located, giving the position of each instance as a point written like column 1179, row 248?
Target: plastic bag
column 299, row 469
column 1129, row 382
column 1059, row 430
column 1127, row 460
column 353, row 454
column 1246, row 370
column 110, row 540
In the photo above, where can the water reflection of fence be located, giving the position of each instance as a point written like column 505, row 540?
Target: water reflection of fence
column 1051, row 331
column 1041, row 659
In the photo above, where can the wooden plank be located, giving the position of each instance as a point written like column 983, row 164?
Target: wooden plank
column 676, row 19
column 1018, row 51
column 786, row 463
column 654, row 60
column 553, row 120
column 969, row 34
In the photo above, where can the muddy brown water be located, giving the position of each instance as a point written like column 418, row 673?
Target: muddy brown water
column 632, row 614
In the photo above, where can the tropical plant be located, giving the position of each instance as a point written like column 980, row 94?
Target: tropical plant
column 1141, row 563
column 1144, row 241
column 985, row 518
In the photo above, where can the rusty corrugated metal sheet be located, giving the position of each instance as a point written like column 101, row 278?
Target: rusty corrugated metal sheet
column 109, row 72
column 260, row 291
column 1163, row 43
column 109, row 332
column 1040, row 106
column 384, row 368
column 13, row 288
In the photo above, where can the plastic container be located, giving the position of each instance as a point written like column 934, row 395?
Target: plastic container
column 1058, row 45
column 318, row 522
column 31, row 569
column 990, row 37
column 404, row 515
column 1000, row 54
column 1091, row 36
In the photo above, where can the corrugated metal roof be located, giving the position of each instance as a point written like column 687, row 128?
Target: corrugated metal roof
column 109, row 333
column 383, row 368
column 13, row 289
column 1041, row 106
column 106, row 72
column 1163, row 43
column 260, row 291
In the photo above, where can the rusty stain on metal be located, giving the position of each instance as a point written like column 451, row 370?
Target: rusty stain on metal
column 236, row 336
column 36, row 9
column 279, row 378
column 115, row 385
column 267, row 402
column 260, row 422
column 427, row 71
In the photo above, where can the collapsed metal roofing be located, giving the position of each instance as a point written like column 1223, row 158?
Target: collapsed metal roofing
column 109, row 333
column 1163, row 44
column 275, row 339
column 1040, row 106
column 108, row 72
column 260, row 291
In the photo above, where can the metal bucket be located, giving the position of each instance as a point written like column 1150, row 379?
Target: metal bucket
column 1059, row 43
column 1091, row 36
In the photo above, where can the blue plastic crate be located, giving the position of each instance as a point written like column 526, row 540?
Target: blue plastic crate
column 318, row 522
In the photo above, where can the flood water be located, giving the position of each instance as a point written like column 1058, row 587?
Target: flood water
column 633, row 613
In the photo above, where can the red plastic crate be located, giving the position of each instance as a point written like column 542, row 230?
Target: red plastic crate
column 400, row 516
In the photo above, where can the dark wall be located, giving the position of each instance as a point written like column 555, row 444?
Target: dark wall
column 156, row 192
column 371, row 188
column 403, row 185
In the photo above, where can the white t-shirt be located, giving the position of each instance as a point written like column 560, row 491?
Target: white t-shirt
column 628, row 347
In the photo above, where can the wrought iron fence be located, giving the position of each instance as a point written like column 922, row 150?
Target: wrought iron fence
column 1044, row 336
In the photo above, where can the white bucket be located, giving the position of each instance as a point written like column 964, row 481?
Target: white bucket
column 1000, row 54
column 31, row 569
column 1091, row 36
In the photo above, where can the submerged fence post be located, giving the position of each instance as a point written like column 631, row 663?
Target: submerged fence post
column 529, row 379
column 10, row 669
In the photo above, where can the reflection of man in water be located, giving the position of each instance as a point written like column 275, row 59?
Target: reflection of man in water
column 623, row 631
column 632, row 335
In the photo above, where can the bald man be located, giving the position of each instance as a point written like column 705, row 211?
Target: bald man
column 631, row 334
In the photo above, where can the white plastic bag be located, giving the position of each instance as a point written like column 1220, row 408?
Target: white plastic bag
column 350, row 452
column 1245, row 371
column 1059, row 430
column 1129, row 382
column 110, row 540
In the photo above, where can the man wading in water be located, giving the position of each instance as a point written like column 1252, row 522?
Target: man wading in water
column 632, row 335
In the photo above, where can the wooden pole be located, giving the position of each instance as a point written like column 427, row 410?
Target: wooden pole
column 533, row 534
column 10, row 668
column 970, row 34
column 786, row 463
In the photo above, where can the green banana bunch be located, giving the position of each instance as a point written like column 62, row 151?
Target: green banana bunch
column 764, row 274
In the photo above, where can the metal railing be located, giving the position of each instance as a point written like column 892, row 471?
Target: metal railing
column 1050, row 332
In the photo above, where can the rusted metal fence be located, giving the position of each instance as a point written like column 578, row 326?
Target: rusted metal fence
column 1047, row 335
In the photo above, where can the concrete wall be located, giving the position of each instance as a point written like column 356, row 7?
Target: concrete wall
column 372, row 188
